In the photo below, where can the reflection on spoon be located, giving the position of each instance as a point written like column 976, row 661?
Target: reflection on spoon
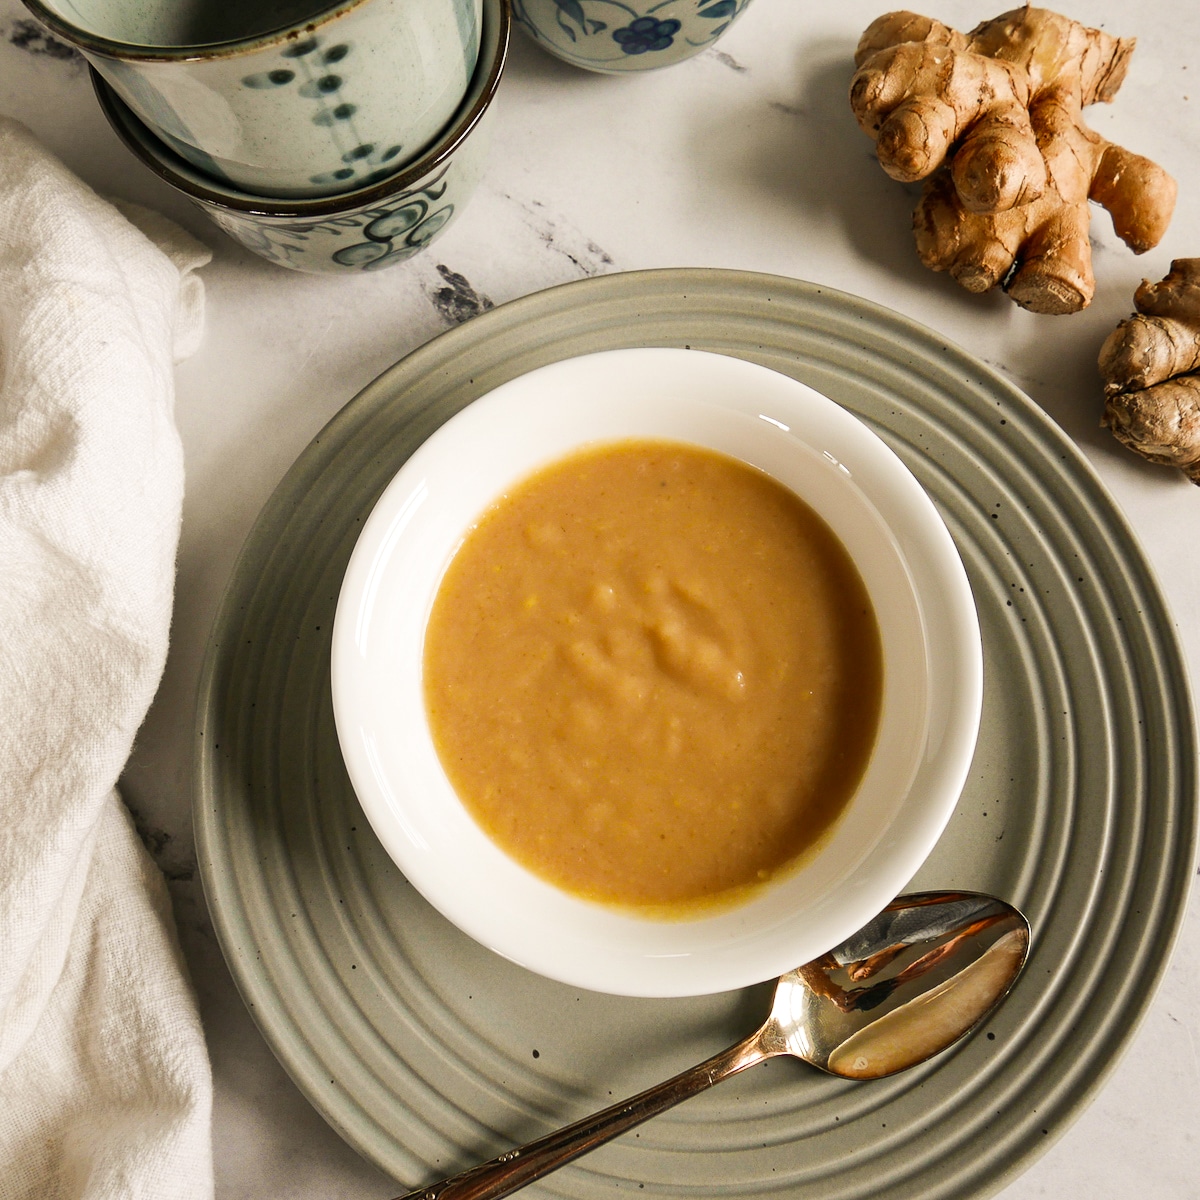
column 909, row 984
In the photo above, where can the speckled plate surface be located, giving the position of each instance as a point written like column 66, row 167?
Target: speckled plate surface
column 428, row 1052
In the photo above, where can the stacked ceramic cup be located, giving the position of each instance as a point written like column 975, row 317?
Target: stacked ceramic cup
column 324, row 136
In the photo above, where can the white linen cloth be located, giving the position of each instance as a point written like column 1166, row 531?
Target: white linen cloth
column 105, row 1089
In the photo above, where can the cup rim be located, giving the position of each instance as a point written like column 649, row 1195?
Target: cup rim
column 173, row 169
column 96, row 43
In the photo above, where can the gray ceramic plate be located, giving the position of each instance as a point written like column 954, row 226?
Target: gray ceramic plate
column 428, row 1053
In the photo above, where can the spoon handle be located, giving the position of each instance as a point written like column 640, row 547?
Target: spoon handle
column 516, row 1168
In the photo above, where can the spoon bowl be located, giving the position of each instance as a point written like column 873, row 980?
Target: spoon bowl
column 908, row 985
column 905, row 987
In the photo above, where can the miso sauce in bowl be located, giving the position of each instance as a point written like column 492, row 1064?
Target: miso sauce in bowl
column 653, row 676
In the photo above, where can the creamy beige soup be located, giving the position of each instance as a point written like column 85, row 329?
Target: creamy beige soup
column 653, row 675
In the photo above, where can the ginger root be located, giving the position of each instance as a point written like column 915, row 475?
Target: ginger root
column 1150, row 365
column 993, row 121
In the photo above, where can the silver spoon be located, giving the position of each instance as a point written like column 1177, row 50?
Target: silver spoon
column 909, row 984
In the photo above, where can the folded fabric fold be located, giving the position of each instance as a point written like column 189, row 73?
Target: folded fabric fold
column 104, row 1080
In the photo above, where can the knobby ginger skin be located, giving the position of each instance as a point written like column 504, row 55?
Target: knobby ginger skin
column 992, row 120
column 1149, row 364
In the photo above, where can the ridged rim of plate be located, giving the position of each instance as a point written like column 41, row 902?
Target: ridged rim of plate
column 1086, row 765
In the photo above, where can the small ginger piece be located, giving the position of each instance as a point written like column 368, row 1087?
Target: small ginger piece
column 992, row 120
column 1150, row 365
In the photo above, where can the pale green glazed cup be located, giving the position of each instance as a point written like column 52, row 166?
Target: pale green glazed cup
column 618, row 36
column 370, row 228
column 282, row 97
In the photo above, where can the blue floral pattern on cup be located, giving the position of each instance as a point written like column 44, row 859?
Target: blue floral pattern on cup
column 311, row 68
column 646, row 33
column 367, row 240
column 589, row 33
column 326, row 107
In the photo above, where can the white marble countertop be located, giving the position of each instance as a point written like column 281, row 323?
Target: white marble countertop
column 744, row 157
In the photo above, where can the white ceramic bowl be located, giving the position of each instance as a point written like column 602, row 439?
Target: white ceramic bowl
column 931, row 649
